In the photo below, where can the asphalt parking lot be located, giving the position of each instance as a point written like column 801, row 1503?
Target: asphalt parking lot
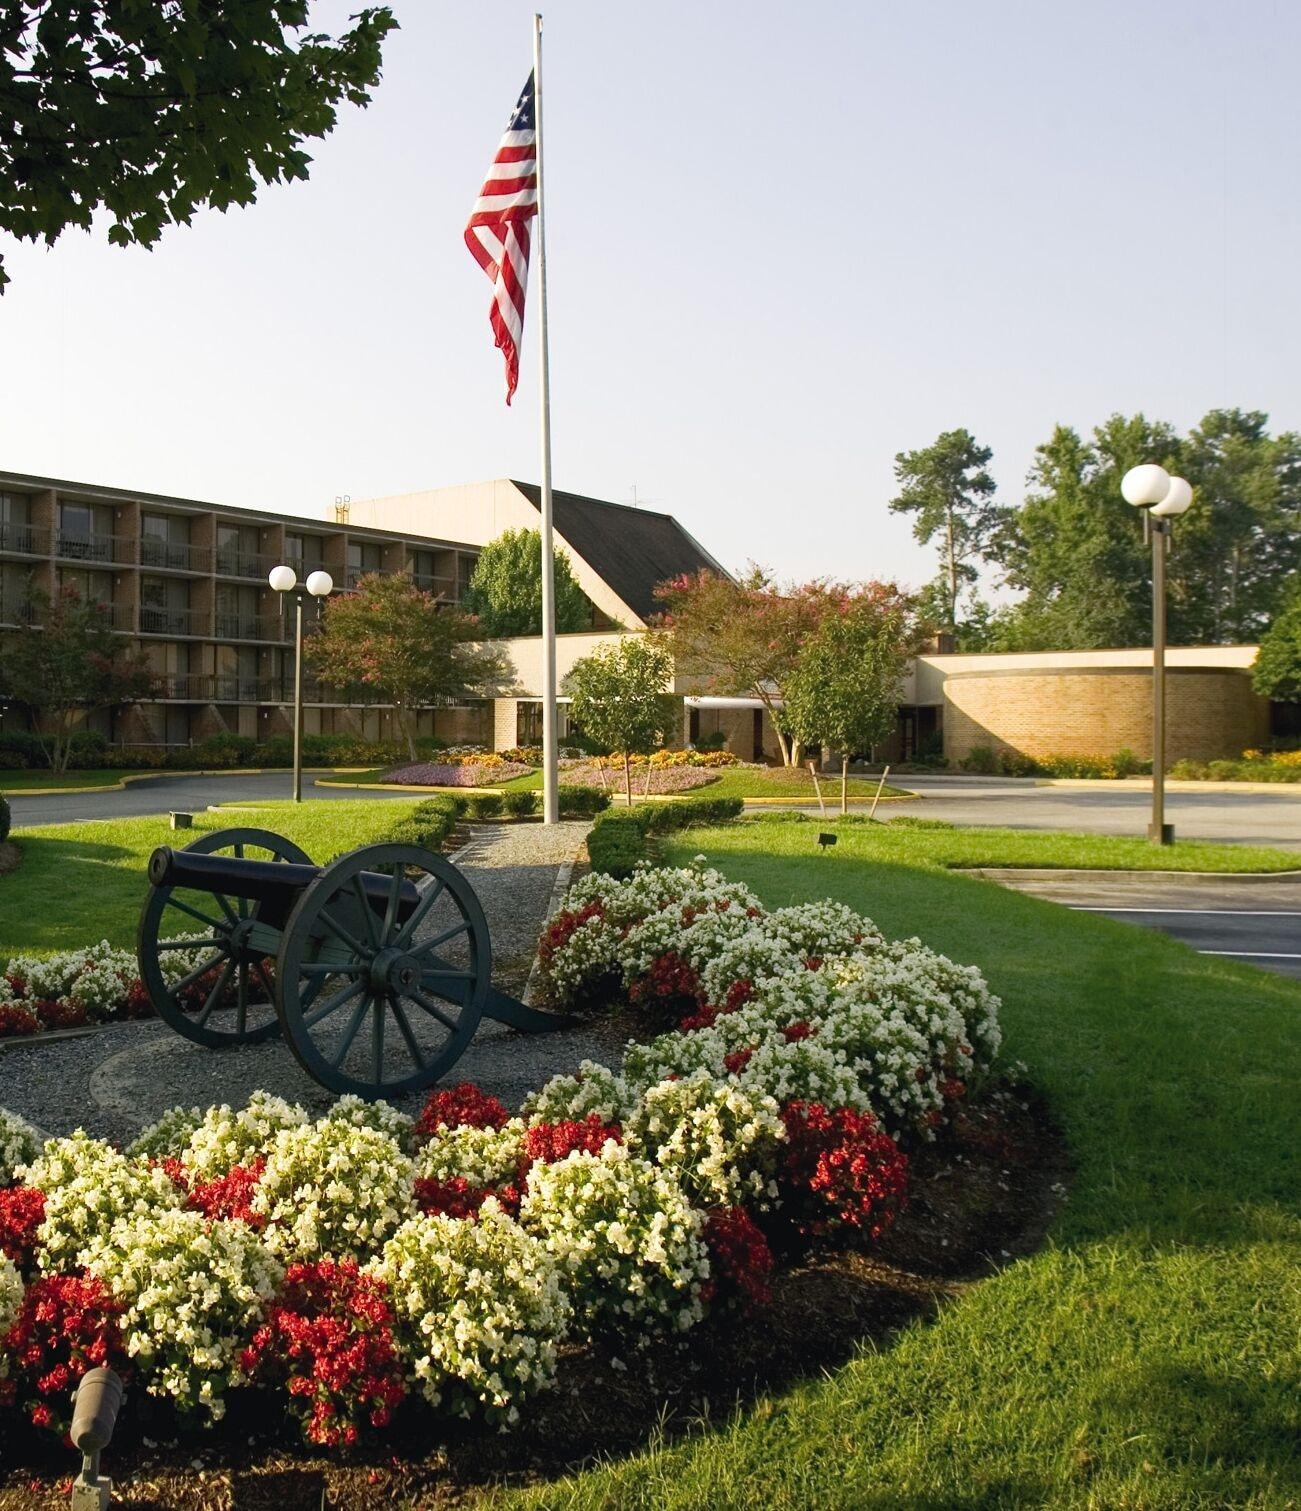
column 1253, row 919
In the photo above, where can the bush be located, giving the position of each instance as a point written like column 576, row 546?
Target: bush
column 685, row 813
column 1017, row 763
column 222, row 751
column 482, row 804
column 716, row 741
column 6, row 818
column 616, row 844
column 519, row 804
column 581, row 802
column 429, row 824
column 86, row 751
column 25, row 746
column 981, row 760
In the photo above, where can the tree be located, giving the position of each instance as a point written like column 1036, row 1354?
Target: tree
column 66, row 665
column 397, row 642
column 619, row 697
column 741, row 637
column 1277, row 672
column 150, row 111
column 506, row 589
column 1076, row 548
column 951, row 494
column 846, row 685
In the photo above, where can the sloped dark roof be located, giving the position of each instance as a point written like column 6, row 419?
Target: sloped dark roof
column 630, row 549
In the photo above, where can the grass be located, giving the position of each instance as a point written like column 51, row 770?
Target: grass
column 1147, row 1357
column 968, row 847
column 57, row 781
column 80, row 883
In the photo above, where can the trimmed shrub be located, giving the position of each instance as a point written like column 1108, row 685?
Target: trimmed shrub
column 581, row 802
column 428, row 824
column 981, row 760
column 222, row 751
column 87, row 751
column 6, row 818
column 616, row 844
column 24, row 745
column 664, row 818
column 519, row 804
column 482, row 804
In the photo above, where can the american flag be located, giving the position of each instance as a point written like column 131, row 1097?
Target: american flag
column 498, row 230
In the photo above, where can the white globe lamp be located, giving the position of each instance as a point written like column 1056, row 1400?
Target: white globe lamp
column 1145, row 486
column 1177, row 499
column 282, row 579
column 320, row 584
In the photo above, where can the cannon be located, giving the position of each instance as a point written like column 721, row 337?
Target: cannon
column 375, row 968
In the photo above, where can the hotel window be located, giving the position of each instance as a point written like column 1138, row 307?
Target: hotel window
column 15, row 593
column 15, row 523
column 165, row 541
column 85, row 532
column 238, row 548
column 363, row 557
column 237, row 612
column 164, row 606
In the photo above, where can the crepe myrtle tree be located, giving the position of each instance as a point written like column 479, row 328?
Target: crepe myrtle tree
column 844, row 690
column 66, row 664
column 1277, row 670
column 147, row 112
column 397, row 643
column 619, row 697
column 742, row 636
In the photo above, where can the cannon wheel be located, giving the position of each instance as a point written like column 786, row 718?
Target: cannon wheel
column 221, row 1019
column 374, row 1002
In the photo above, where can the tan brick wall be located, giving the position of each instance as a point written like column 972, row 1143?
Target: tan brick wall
column 1211, row 713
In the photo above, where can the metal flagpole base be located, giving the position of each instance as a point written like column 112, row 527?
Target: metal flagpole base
column 1161, row 834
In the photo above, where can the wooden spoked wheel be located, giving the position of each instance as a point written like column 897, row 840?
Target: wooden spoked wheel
column 228, row 995
column 384, row 970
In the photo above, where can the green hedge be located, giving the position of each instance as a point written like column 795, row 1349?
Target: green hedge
column 581, row 802
column 5, row 819
column 519, row 804
column 618, row 840
column 428, row 824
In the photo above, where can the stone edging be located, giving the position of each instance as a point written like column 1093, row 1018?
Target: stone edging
column 1186, row 878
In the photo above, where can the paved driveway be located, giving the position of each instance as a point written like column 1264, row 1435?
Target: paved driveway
column 1253, row 919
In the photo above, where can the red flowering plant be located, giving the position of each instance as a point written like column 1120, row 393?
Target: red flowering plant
column 456, row 1197
column 329, row 1337
column 66, row 1325
column 671, row 982
column 16, row 1020
column 22, row 1211
column 740, row 1260
column 226, row 1197
column 462, row 1106
column 840, row 1171
column 545, row 1143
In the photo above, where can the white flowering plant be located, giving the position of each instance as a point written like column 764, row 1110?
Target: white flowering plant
column 334, row 1187
column 19, row 1145
column 627, row 1239
column 480, row 1308
column 89, row 985
column 225, row 1137
column 482, row 1157
column 191, row 1291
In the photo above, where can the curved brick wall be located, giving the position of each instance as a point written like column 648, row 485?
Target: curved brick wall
column 1211, row 712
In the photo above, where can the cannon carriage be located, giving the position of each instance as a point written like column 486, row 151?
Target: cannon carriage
column 375, row 969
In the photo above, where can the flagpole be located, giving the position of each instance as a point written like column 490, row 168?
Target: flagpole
column 550, row 762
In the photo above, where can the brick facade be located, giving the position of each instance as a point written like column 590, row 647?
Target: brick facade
column 1211, row 712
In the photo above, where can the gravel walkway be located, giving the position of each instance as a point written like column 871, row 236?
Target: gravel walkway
column 115, row 1080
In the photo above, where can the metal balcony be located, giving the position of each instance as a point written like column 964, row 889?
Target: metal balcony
column 173, row 556
column 70, row 545
column 168, row 621
column 23, row 540
column 236, row 626
column 232, row 562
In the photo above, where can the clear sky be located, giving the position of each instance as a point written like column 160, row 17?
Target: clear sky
column 785, row 242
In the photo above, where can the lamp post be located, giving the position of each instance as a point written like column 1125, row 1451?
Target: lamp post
column 319, row 585
column 1162, row 498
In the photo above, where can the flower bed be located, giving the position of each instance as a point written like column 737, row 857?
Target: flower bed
column 366, row 1257
column 76, row 987
column 464, row 773
column 662, row 779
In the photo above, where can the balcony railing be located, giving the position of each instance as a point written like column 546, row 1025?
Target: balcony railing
column 79, row 545
column 442, row 587
column 174, row 556
column 16, row 611
column 237, row 626
column 232, row 562
column 168, row 621
column 23, row 539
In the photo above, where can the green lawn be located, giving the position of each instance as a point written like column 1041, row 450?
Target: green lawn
column 968, row 847
column 80, row 883
column 27, row 781
column 1148, row 1356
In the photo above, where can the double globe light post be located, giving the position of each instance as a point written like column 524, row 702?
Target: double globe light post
column 318, row 585
column 1163, row 499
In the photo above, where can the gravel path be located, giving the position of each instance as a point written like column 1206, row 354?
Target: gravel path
column 114, row 1080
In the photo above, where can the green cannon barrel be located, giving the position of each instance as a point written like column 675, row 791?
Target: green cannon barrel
column 267, row 881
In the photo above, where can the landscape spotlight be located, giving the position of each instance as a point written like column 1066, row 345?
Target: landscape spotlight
column 94, row 1416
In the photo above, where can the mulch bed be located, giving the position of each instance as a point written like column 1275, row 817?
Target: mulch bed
column 983, row 1197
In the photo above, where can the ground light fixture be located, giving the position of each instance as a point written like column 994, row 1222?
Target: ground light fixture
column 319, row 585
column 1163, row 499
column 94, row 1416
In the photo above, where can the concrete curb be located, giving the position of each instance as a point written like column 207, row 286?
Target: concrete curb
column 147, row 776
column 1144, row 784
column 1176, row 878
